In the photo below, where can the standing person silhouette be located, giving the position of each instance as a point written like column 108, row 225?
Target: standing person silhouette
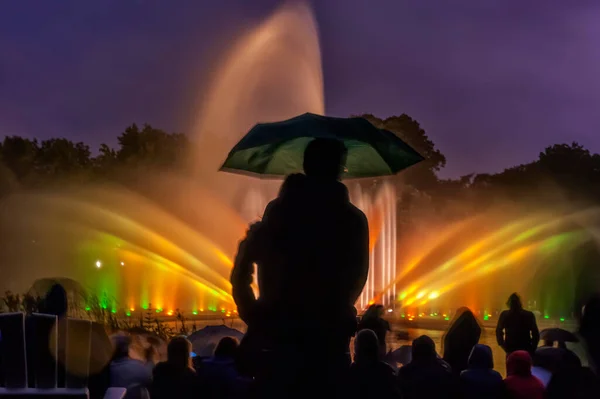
column 517, row 328
column 312, row 253
column 373, row 320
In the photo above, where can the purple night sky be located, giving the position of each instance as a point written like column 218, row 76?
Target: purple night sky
column 492, row 82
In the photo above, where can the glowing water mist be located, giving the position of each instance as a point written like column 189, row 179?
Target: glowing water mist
column 169, row 241
column 273, row 74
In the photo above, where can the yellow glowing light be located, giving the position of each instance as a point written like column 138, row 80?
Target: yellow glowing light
column 412, row 289
column 434, row 295
column 224, row 258
column 421, row 294
column 132, row 309
column 371, row 302
column 98, row 264
column 402, row 295
column 170, row 313
column 202, row 310
column 472, row 249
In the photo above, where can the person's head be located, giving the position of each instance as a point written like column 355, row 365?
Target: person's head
column 121, row 343
column 227, row 347
column 481, row 357
column 519, row 363
column 366, row 347
column 423, row 349
column 55, row 302
column 514, row 302
column 374, row 311
column 325, row 159
column 178, row 352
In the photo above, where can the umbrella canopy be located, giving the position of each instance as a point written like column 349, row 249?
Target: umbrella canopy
column 401, row 355
column 277, row 149
column 204, row 341
column 558, row 335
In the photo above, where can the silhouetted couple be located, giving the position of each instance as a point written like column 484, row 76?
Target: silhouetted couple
column 311, row 248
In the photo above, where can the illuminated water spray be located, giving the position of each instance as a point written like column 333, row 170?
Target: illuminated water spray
column 169, row 240
column 271, row 74
column 380, row 208
column 486, row 259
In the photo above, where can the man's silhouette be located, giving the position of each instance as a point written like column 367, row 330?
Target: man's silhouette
column 311, row 248
column 517, row 328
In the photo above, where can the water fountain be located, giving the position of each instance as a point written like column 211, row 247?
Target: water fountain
column 176, row 252
column 480, row 261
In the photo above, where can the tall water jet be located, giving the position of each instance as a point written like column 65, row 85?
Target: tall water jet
column 380, row 207
column 275, row 73
column 272, row 73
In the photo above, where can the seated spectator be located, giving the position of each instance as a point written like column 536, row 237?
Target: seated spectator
column 176, row 377
column 126, row 372
column 480, row 380
column 426, row 376
column 219, row 375
column 369, row 376
column 520, row 383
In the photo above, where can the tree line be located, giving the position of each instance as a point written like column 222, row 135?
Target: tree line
column 562, row 172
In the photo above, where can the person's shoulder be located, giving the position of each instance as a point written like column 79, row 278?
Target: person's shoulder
column 355, row 213
column 385, row 368
column 537, row 384
column 406, row 371
column 528, row 314
column 292, row 183
column 495, row 373
column 160, row 368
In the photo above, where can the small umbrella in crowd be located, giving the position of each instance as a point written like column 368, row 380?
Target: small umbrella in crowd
column 277, row 149
column 401, row 355
column 205, row 340
column 558, row 335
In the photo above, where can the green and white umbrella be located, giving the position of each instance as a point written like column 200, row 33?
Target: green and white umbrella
column 277, row 149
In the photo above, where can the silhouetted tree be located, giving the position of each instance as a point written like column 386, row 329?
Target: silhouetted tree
column 18, row 154
column 423, row 175
column 151, row 146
